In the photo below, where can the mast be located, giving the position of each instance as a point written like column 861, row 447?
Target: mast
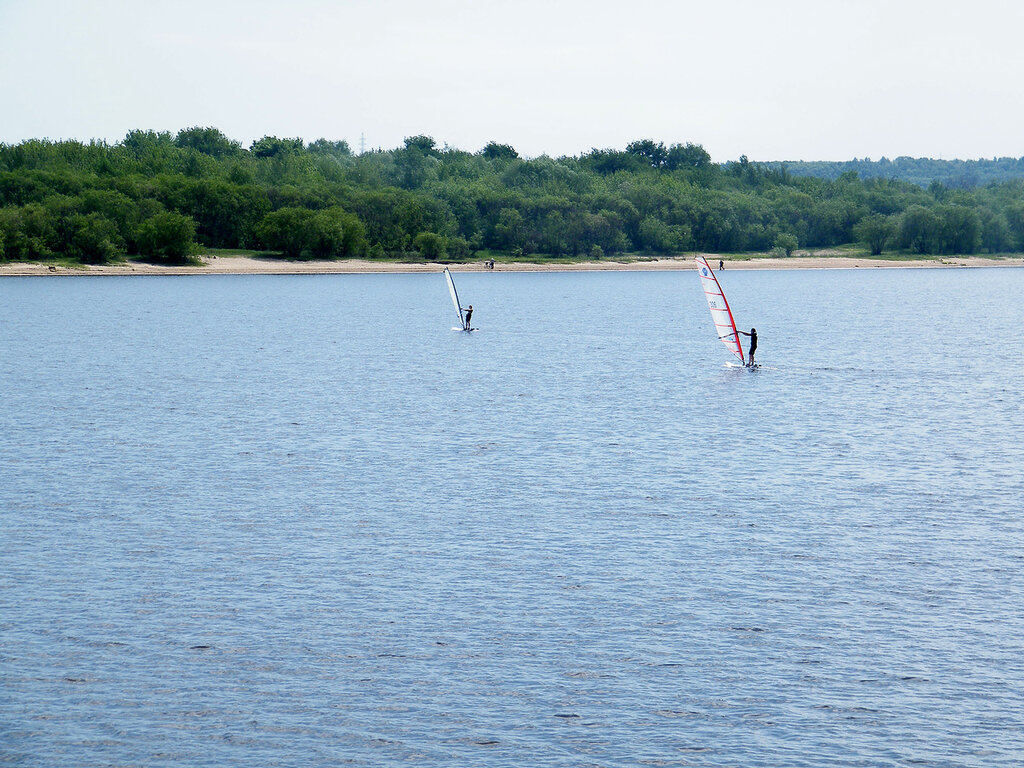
column 455, row 296
column 721, row 314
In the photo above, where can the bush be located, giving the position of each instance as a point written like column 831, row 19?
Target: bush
column 29, row 233
column 288, row 230
column 874, row 231
column 786, row 242
column 430, row 245
column 458, row 247
column 334, row 233
column 168, row 236
column 94, row 239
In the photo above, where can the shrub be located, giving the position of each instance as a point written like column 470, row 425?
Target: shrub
column 786, row 242
column 430, row 245
column 288, row 230
column 333, row 233
column 457, row 247
column 94, row 239
column 168, row 236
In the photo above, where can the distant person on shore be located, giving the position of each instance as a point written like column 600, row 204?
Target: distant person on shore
column 721, row 265
column 753, row 345
column 469, row 314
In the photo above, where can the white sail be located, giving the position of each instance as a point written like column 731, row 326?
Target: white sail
column 721, row 315
column 455, row 296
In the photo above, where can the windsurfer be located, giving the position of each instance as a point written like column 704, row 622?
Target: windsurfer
column 753, row 345
column 469, row 314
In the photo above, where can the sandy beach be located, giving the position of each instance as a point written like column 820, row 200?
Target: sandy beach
column 245, row 265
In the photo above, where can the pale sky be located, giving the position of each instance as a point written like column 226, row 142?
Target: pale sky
column 775, row 80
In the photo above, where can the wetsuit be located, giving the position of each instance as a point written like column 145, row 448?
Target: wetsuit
column 753, row 344
column 469, row 314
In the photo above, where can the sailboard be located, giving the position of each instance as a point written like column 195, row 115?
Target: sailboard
column 455, row 299
column 721, row 315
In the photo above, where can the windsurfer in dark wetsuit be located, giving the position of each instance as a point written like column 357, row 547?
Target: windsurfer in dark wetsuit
column 753, row 345
column 469, row 314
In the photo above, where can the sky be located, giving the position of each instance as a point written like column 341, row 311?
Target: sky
column 769, row 79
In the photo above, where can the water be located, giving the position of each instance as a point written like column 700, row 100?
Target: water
column 297, row 521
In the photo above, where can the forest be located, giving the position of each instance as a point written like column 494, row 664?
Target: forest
column 958, row 174
column 165, row 197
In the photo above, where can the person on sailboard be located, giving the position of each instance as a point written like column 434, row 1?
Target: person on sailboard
column 753, row 345
column 469, row 314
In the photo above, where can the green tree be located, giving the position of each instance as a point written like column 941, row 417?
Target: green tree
column 423, row 144
column 209, row 141
column 150, row 146
column 874, row 231
column 1014, row 213
column 29, row 233
column 658, row 237
column 336, row 233
column 337, row 149
column 457, row 247
column 288, row 230
column 495, row 151
column 609, row 161
column 510, row 230
column 94, row 239
column 271, row 146
column 959, row 229
column 416, row 167
column 995, row 233
column 787, row 242
column 431, row 245
column 113, row 205
column 651, row 153
column 225, row 214
column 691, row 156
column 167, row 236
column 554, row 235
column 919, row 230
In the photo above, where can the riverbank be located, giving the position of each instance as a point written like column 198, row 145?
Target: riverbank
column 248, row 265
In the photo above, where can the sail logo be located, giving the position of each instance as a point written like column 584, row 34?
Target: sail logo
column 704, row 271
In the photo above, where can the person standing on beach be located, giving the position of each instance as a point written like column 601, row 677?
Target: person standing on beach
column 721, row 265
column 753, row 345
column 469, row 314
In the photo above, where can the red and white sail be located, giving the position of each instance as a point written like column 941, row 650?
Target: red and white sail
column 725, row 325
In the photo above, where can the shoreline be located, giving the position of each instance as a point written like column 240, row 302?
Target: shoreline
column 246, row 265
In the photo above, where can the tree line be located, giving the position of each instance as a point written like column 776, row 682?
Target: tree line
column 162, row 196
column 958, row 174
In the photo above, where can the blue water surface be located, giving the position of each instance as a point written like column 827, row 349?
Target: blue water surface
column 299, row 521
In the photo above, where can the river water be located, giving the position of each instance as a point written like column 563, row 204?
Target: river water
column 299, row 521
